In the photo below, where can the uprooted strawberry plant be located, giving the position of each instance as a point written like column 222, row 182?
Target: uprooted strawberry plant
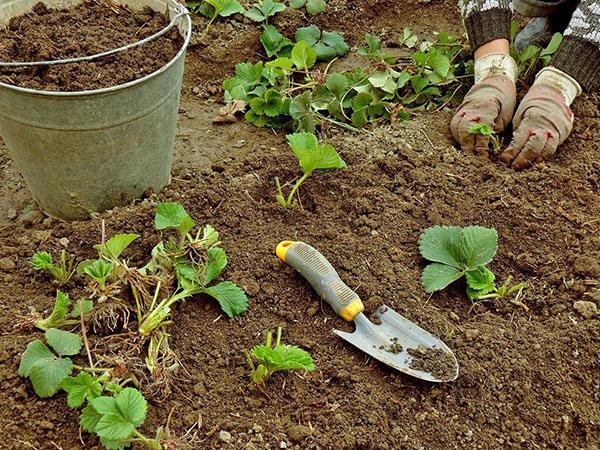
column 121, row 320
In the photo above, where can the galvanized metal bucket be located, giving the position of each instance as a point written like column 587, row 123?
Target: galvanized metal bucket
column 88, row 151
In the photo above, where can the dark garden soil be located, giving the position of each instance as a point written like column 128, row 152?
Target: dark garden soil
column 528, row 377
column 49, row 34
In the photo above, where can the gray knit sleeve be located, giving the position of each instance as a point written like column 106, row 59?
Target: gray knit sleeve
column 486, row 20
column 579, row 53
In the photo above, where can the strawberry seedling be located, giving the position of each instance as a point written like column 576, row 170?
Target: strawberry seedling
column 456, row 252
column 313, row 7
column 215, row 8
column 196, row 261
column 61, row 271
column 312, row 156
column 263, row 9
column 532, row 56
column 60, row 316
column 265, row 360
column 485, row 130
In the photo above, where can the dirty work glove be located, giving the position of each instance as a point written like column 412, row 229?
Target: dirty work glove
column 491, row 101
column 543, row 120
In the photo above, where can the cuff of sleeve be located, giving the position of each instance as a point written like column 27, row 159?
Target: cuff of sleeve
column 580, row 59
column 485, row 26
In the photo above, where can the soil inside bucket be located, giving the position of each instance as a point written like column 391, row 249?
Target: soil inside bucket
column 95, row 26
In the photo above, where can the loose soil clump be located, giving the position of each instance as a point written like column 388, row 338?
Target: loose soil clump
column 436, row 361
column 393, row 347
column 92, row 27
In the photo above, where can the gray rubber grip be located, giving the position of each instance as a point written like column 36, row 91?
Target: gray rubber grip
column 313, row 266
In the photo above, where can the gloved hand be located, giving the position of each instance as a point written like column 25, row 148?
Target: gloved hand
column 543, row 120
column 491, row 101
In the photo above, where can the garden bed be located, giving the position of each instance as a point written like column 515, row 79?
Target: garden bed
column 528, row 378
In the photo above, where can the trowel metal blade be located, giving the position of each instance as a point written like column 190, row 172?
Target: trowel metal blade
column 374, row 339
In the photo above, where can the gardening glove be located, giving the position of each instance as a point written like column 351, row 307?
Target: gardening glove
column 543, row 120
column 491, row 101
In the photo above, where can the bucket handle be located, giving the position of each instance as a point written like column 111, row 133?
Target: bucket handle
column 183, row 12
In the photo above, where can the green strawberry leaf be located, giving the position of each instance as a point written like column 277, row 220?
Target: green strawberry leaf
column 42, row 261
column 216, row 260
column 173, row 215
column 81, row 388
column 116, row 245
column 480, row 245
column 314, row 7
column 437, row 276
column 59, row 313
column 45, row 370
column 274, row 42
column 312, row 155
column 63, row 342
column 231, row 297
column 303, row 55
column 480, row 279
column 89, row 418
column 120, row 415
column 444, row 245
column 81, row 305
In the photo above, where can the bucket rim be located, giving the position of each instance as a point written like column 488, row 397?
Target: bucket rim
column 118, row 87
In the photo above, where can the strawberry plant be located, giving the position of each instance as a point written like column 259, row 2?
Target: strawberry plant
column 289, row 91
column 196, row 260
column 531, row 57
column 215, row 8
column 116, row 419
column 263, row 9
column 61, row 271
column 485, row 130
column 313, row 7
column 188, row 263
column 266, row 359
column 455, row 252
column 312, row 156
column 62, row 314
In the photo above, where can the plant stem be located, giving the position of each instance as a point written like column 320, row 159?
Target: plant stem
column 92, row 369
column 85, row 339
column 295, row 188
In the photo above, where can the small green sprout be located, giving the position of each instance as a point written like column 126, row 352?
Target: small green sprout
column 263, row 9
column 485, row 130
column 313, row 7
column 215, row 8
column 312, row 156
column 99, row 271
column 265, row 360
column 116, row 419
column 61, row 271
column 60, row 316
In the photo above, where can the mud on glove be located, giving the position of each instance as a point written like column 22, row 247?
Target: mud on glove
column 491, row 101
column 543, row 120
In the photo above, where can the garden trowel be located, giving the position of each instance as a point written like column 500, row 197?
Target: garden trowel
column 393, row 339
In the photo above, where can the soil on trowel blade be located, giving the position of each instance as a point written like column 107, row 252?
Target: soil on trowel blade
column 433, row 360
column 92, row 27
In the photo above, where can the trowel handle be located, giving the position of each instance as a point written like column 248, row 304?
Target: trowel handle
column 322, row 276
